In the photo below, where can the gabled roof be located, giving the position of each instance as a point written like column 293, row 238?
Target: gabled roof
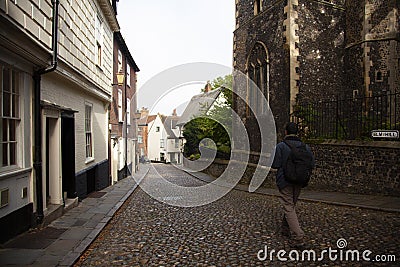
column 169, row 124
column 151, row 118
column 199, row 106
column 124, row 49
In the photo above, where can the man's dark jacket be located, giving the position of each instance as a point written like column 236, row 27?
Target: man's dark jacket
column 282, row 152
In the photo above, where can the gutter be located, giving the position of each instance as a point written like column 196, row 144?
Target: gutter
column 37, row 75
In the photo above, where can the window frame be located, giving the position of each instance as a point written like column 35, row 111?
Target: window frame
column 119, row 61
column 128, row 75
column 162, row 143
column 12, row 119
column 98, row 39
column 128, row 112
column 89, row 153
column 119, row 104
column 258, row 74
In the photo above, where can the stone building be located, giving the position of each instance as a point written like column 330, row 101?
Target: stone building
column 300, row 51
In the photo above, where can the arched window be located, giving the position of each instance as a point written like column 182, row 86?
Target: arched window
column 258, row 73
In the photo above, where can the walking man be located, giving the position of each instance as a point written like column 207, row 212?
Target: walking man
column 289, row 192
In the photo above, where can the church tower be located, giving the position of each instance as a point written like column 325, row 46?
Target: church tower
column 372, row 47
column 292, row 49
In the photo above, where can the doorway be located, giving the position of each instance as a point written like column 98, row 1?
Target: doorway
column 68, row 154
column 53, row 190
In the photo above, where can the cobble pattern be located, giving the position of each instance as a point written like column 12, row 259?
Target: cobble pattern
column 232, row 230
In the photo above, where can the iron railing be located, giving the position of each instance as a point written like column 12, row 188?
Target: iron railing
column 348, row 119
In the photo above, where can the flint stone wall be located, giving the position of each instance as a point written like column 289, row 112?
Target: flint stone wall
column 371, row 168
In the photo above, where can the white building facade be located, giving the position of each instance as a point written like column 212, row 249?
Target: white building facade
column 67, row 130
column 157, row 138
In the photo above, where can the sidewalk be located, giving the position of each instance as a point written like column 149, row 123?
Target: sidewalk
column 382, row 203
column 63, row 241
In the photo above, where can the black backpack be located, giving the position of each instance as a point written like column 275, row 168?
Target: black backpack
column 298, row 167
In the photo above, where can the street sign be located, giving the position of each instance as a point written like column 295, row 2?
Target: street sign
column 385, row 134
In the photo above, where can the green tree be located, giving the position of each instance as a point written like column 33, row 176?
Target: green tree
column 211, row 126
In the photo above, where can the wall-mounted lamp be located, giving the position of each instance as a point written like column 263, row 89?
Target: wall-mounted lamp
column 120, row 79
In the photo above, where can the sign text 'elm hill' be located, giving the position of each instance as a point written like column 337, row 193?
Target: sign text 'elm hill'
column 385, row 134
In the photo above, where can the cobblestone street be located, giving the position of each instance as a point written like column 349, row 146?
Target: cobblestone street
column 232, row 230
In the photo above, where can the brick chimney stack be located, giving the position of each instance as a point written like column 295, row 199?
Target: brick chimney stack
column 144, row 112
column 208, row 87
column 174, row 112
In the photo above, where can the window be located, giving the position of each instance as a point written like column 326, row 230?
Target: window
column 120, row 117
column 140, row 139
column 9, row 115
column 88, row 131
column 119, row 61
column 4, row 197
column 128, row 75
column 176, row 143
column 378, row 76
column 99, row 54
column 157, row 129
column 258, row 74
column 128, row 111
column 257, row 7
column 99, row 40
column 162, row 143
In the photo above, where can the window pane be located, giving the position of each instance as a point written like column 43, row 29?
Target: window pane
column 6, row 104
column 1, row 93
column 88, row 145
column 15, row 106
column 5, row 155
column 13, row 153
column 15, row 82
column 4, row 130
column 6, row 80
column 12, row 125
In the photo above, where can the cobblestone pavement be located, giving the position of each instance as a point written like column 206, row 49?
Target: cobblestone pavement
column 232, row 230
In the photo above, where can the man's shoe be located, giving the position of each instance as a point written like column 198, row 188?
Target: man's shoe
column 283, row 231
column 297, row 243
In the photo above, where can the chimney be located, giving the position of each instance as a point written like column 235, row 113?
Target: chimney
column 174, row 112
column 144, row 112
column 208, row 87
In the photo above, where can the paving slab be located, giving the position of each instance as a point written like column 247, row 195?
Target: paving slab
column 19, row 257
column 65, row 239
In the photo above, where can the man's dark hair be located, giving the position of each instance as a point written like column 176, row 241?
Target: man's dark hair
column 291, row 128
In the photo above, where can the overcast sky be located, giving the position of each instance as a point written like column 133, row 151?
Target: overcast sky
column 161, row 34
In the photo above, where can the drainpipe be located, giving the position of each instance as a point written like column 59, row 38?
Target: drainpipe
column 37, row 165
column 126, row 119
